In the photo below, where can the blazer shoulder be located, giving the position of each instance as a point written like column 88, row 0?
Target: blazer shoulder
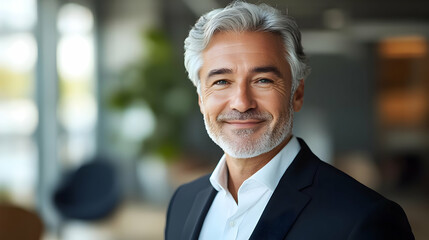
column 185, row 194
column 354, row 210
column 361, row 203
column 194, row 186
column 181, row 204
column 332, row 179
column 328, row 182
column 385, row 220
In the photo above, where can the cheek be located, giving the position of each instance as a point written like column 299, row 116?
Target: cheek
column 214, row 105
column 276, row 104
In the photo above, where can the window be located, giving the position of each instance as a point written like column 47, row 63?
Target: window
column 18, row 111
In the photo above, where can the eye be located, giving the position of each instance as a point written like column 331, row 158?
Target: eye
column 220, row 82
column 265, row 80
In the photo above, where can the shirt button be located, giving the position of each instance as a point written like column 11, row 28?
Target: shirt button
column 232, row 224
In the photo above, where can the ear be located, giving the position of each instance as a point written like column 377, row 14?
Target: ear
column 200, row 103
column 298, row 97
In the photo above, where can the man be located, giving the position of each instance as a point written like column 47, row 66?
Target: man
column 249, row 67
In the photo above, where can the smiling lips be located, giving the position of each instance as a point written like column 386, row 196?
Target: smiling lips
column 250, row 123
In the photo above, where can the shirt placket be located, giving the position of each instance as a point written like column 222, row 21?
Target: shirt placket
column 230, row 230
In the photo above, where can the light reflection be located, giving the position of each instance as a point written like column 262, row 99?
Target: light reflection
column 18, row 117
column 78, row 114
column 138, row 123
column 18, row 52
column 75, row 57
column 17, row 14
column 75, row 19
column 18, row 164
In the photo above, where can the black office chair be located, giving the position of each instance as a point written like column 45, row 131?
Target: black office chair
column 91, row 192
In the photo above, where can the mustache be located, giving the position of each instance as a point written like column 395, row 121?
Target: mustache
column 249, row 114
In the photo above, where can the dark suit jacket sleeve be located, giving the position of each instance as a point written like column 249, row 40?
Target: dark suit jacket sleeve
column 167, row 224
column 187, row 209
column 385, row 221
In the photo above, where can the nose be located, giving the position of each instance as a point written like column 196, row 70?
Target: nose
column 242, row 98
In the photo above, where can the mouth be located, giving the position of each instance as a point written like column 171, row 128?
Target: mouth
column 250, row 123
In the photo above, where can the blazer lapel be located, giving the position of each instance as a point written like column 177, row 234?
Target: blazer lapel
column 288, row 200
column 198, row 213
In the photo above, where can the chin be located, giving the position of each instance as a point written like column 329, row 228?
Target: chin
column 250, row 148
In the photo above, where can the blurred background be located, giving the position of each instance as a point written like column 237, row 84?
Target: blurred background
column 99, row 124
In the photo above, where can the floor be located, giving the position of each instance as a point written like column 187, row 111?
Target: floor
column 132, row 221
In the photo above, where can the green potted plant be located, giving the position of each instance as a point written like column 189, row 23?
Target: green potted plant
column 158, row 80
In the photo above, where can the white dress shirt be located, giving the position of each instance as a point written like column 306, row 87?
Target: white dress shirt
column 228, row 220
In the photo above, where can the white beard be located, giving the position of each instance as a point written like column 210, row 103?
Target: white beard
column 242, row 146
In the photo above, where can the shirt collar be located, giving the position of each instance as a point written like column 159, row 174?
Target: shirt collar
column 219, row 177
column 269, row 175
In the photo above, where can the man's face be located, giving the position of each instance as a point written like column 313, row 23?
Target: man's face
column 246, row 92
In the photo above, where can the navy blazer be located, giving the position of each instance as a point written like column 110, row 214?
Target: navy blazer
column 313, row 200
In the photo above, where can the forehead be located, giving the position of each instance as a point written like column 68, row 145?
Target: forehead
column 253, row 41
column 243, row 49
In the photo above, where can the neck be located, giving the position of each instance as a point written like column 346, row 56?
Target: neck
column 240, row 169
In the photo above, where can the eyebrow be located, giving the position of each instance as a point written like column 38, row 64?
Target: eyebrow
column 268, row 69
column 219, row 71
column 263, row 69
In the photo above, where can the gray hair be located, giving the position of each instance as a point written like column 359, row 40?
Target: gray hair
column 241, row 16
